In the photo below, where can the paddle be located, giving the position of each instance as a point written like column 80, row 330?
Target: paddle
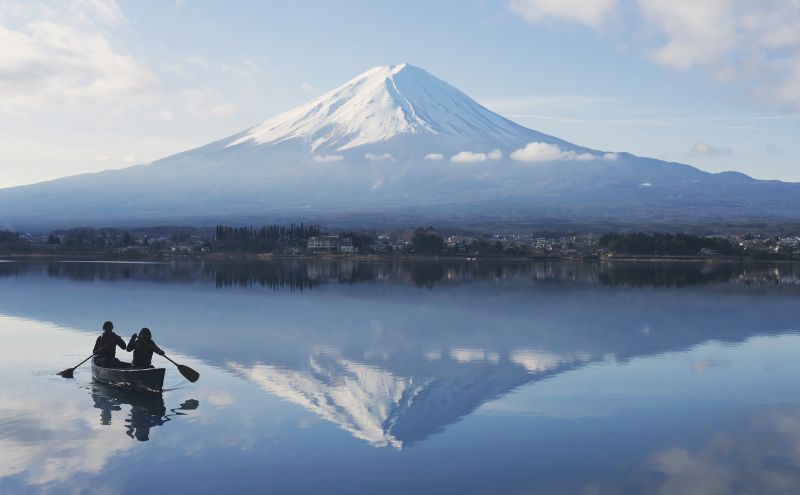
column 186, row 371
column 68, row 373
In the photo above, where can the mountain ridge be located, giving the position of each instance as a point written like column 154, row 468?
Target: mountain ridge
column 396, row 144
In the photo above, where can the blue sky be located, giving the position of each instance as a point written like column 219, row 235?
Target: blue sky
column 87, row 85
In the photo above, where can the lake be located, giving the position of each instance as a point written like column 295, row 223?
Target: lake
column 349, row 376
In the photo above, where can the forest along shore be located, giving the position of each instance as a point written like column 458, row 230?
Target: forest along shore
column 301, row 241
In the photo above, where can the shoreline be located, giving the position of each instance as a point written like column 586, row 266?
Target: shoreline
column 225, row 257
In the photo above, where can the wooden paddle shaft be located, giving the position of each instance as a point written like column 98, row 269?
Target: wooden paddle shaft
column 88, row 358
column 170, row 360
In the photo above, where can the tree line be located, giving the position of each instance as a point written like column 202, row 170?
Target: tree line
column 656, row 244
column 265, row 239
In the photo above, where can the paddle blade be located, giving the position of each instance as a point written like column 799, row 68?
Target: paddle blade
column 67, row 373
column 189, row 405
column 188, row 373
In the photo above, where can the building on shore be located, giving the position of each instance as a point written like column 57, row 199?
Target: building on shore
column 330, row 244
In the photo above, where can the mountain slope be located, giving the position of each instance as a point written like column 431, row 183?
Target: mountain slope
column 383, row 103
column 395, row 145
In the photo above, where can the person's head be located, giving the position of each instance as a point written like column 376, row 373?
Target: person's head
column 144, row 333
column 108, row 326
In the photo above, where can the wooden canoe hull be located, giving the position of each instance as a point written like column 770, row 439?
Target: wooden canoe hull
column 145, row 380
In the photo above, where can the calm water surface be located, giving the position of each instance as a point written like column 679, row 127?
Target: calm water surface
column 407, row 377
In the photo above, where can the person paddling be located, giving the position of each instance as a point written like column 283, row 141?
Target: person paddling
column 143, row 347
column 105, row 348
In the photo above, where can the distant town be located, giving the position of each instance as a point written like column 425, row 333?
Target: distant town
column 297, row 240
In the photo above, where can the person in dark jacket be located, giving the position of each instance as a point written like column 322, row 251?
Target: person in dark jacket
column 105, row 348
column 143, row 347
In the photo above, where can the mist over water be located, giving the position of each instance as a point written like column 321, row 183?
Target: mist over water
column 357, row 376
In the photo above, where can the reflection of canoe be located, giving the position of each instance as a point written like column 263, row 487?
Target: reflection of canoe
column 147, row 410
column 148, row 380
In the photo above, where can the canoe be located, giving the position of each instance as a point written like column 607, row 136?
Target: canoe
column 145, row 380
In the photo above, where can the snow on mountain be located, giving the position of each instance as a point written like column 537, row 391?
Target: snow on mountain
column 384, row 103
column 360, row 399
column 385, row 409
column 398, row 146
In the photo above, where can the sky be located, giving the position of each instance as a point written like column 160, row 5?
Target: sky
column 89, row 85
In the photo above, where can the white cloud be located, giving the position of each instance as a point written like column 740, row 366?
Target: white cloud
column 468, row 157
column 328, row 158
column 106, row 11
column 473, row 157
column 221, row 399
column 434, row 156
column 750, row 455
column 538, row 152
column 467, row 355
column 696, row 33
column 611, row 157
column 385, row 157
column 704, row 149
column 755, row 43
column 752, row 42
column 546, row 152
column 63, row 54
column 592, row 13
column 538, row 361
column 38, row 460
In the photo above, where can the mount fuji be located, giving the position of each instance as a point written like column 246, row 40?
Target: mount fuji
column 397, row 146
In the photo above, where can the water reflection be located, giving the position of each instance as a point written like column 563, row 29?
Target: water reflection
column 147, row 410
column 658, row 378
column 681, row 274
column 303, row 274
column 757, row 453
column 400, row 408
column 385, row 408
column 391, row 364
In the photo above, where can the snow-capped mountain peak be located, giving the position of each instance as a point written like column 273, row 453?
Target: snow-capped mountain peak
column 383, row 103
column 395, row 145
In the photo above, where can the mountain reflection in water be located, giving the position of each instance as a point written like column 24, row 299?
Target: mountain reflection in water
column 387, row 409
column 392, row 377
column 336, row 375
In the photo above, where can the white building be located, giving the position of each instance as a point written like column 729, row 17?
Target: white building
column 330, row 244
